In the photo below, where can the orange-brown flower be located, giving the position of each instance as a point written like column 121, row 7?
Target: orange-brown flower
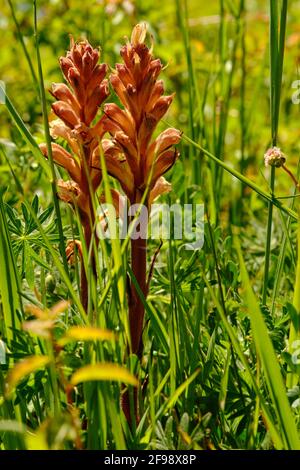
column 76, row 108
column 131, row 155
column 71, row 248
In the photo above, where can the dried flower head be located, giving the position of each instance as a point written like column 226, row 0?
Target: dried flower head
column 274, row 157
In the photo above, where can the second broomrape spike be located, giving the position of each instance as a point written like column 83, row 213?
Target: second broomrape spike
column 76, row 107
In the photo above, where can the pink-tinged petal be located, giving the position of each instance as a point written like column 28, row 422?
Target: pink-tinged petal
column 163, row 142
column 68, row 191
column 112, row 149
column 65, row 112
column 82, row 133
column 64, row 159
column 162, row 186
column 166, row 139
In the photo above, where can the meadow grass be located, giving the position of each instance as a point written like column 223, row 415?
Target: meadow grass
column 219, row 367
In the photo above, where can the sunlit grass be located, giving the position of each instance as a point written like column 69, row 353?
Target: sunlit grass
column 217, row 368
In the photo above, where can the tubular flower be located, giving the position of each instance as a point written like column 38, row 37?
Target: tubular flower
column 132, row 156
column 76, row 107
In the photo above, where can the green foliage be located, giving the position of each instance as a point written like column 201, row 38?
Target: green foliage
column 216, row 369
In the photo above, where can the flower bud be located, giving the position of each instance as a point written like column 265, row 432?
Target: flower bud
column 274, row 157
column 138, row 34
column 166, row 139
column 66, row 113
column 61, row 92
column 161, row 107
column 65, row 65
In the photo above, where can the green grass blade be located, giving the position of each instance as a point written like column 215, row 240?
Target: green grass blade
column 8, row 279
column 22, row 42
column 269, row 362
column 28, row 137
column 264, row 194
column 62, row 247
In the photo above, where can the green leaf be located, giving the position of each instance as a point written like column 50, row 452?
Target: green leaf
column 25, row 133
column 78, row 333
column 104, row 371
column 269, row 362
column 9, row 280
column 173, row 399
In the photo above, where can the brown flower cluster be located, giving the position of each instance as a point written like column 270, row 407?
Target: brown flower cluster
column 125, row 135
column 132, row 156
column 76, row 108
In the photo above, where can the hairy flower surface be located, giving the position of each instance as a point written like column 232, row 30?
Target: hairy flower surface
column 132, row 155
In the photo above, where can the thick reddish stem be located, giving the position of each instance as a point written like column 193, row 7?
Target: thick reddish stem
column 125, row 403
column 83, row 277
column 136, row 315
column 87, row 223
column 136, row 307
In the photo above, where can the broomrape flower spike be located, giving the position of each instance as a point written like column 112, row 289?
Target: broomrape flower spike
column 76, row 108
column 132, row 156
column 136, row 159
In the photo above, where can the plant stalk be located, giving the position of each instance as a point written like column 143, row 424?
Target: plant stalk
column 136, row 311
